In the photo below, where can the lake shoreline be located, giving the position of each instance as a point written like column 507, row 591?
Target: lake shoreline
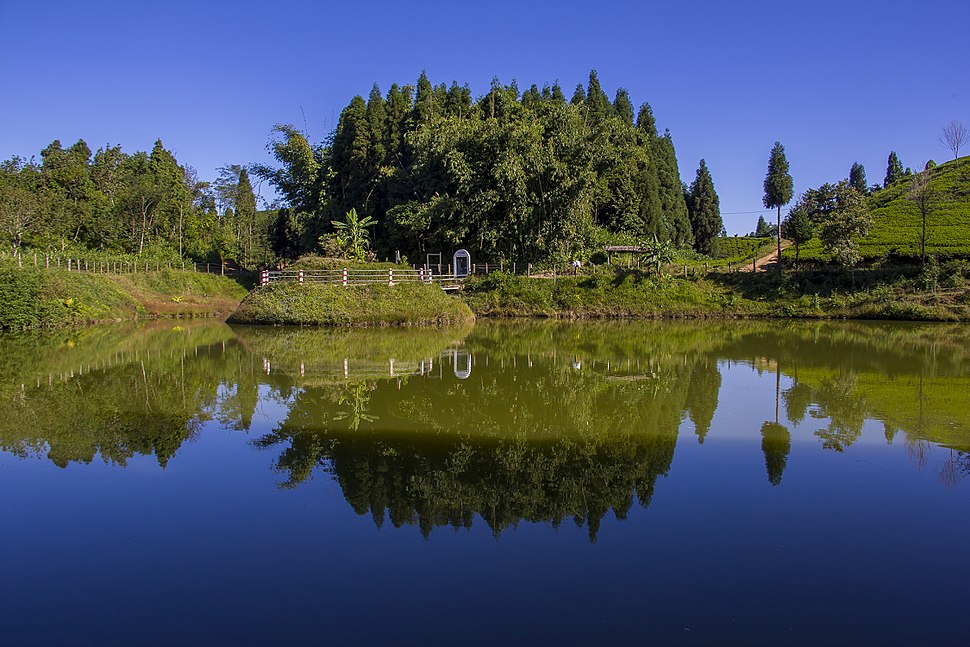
column 56, row 299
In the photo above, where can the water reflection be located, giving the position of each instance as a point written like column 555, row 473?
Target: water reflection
column 504, row 422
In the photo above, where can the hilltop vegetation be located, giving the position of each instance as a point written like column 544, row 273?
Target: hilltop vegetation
column 897, row 223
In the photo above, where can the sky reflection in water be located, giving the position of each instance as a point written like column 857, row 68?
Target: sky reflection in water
column 634, row 481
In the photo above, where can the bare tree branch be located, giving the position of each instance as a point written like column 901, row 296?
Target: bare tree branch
column 954, row 135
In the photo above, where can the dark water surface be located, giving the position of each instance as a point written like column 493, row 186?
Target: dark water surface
column 798, row 483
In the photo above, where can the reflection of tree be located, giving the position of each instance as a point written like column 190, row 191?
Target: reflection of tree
column 776, row 444
column 798, row 398
column 846, row 411
column 775, row 440
column 428, row 483
column 143, row 392
column 705, row 383
column 504, row 445
column 354, row 405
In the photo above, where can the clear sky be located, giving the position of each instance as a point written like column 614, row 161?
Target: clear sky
column 835, row 82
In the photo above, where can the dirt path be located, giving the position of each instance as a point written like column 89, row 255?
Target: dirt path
column 763, row 263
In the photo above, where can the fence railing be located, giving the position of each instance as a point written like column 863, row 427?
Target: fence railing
column 109, row 265
column 347, row 277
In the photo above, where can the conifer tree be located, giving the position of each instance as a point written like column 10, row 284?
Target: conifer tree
column 579, row 95
column 424, row 101
column 705, row 211
column 857, row 178
column 246, row 216
column 350, row 152
column 623, row 107
column 894, row 169
column 646, row 122
column 778, row 187
column 672, row 204
column 599, row 103
column 797, row 227
column 557, row 94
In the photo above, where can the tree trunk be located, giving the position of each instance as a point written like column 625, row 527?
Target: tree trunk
column 778, row 239
column 922, row 243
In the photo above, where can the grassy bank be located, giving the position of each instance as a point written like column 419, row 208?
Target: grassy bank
column 897, row 223
column 879, row 293
column 366, row 305
column 33, row 298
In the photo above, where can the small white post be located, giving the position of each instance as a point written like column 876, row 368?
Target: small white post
column 390, row 276
column 68, row 264
column 300, row 276
column 345, row 277
column 264, row 278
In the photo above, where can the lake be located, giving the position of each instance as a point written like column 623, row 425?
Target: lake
column 746, row 482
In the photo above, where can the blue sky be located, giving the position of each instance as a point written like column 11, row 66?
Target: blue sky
column 835, row 82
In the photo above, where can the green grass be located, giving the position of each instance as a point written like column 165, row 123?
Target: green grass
column 742, row 248
column 315, row 304
column 896, row 293
column 32, row 298
column 897, row 223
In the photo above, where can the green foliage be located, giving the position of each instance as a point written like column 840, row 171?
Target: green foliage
column 121, row 204
column 896, row 231
column 742, row 248
column 797, row 227
column 705, row 211
column 353, row 235
column 840, row 229
column 857, row 178
column 894, row 170
column 525, row 178
column 778, row 181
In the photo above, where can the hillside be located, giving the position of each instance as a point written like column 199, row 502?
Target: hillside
column 33, row 298
column 897, row 223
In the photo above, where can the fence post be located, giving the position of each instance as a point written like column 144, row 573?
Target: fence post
column 47, row 261
column 345, row 277
column 390, row 276
column 264, row 278
column 68, row 265
column 299, row 276
column 528, row 269
column 754, row 264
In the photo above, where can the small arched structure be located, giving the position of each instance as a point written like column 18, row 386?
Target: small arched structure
column 463, row 263
column 463, row 369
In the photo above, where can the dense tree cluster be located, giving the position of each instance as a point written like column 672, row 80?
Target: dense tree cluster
column 128, row 203
column 519, row 176
column 512, row 175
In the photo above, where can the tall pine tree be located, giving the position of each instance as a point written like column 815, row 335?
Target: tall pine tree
column 705, row 211
column 857, row 178
column 894, row 169
column 778, row 187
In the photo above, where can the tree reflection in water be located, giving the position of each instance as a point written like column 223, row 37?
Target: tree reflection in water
column 547, row 422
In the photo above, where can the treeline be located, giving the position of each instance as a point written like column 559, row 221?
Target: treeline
column 141, row 203
column 512, row 175
column 517, row 176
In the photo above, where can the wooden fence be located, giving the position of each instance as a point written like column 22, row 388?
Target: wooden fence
column 110, row 265
column 348, row 277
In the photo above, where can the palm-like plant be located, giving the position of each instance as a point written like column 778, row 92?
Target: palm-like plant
column 661, row 253
column 352, row 234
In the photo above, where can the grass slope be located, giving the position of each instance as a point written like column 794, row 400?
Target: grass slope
column 31, row 298
column 315, row 304
column 868, row 294
column 897, row 223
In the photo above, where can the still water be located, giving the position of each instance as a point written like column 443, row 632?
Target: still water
column 515, row 483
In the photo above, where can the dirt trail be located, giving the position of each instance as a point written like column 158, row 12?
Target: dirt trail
column 771, row 259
